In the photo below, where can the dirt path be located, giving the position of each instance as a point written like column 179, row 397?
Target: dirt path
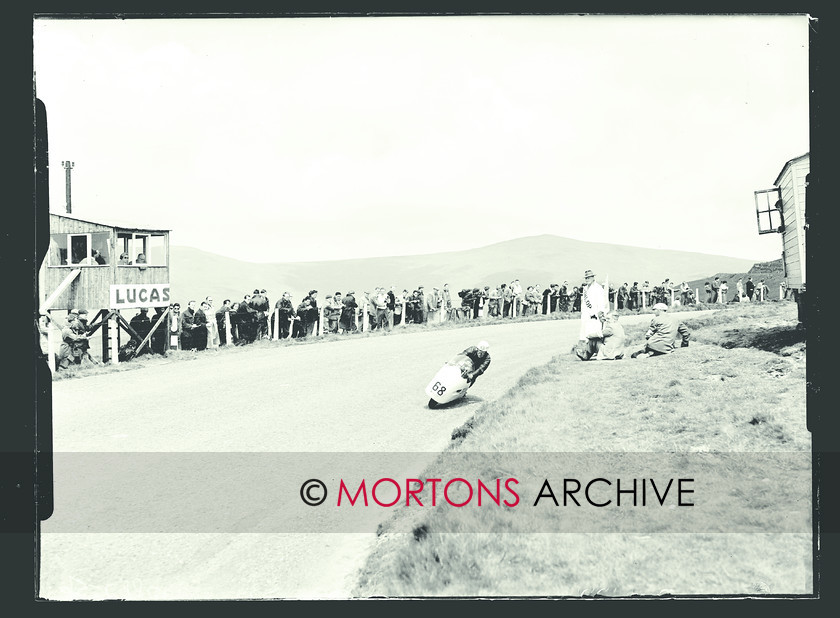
column 359, row 395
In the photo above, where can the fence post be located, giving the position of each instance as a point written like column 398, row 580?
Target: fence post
column 607, row 292
column 276, row 324
column 50, row 342
column 781, row 292
column 644, row 300
column 320, row 321
column 672, row 298
column 115, row 344
column 228, row 329
column 696, row 295
column 365, row 319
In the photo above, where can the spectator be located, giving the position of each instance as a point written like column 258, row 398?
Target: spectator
column 200, row 322
column 446, row 305
column 141, row 323
column 563, row 297
column 284, row 314
column 763, row 292
column 646, row 293
column 554, row 298
column 332, row 312
column 662, row 334
column 74, row 341
column 392, row 305
column 421, row 311
column 141, row 258
column 716, row 290
column 380, row 304
column 546, row 301
column 221, row 325
column 635, row 296
column 158, row 341
column 624, row 296
column 739, row 287
column 347, row 322
column 312, row 316
column 246, row 323
column 710, row 294
column 235, row 337
column 124, row 259
column 750, row 288
column 612, row 347
column 592, row 305
column 213, row 339
column 724, row 288
column 260, row 306
column 507, row 300
column 301, row 325
column 187, row 326
column 433, row 303
column 685, row 293
column 494, row 298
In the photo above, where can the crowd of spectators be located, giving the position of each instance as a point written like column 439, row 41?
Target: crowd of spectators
column 203, row 325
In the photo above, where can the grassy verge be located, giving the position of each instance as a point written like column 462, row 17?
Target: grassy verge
column 744, row 394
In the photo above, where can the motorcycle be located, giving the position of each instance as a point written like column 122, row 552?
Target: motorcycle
column 450, row 382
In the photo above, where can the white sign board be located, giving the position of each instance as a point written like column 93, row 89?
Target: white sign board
column 127, row 296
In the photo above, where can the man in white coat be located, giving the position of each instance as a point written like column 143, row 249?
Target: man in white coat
column 593, row 305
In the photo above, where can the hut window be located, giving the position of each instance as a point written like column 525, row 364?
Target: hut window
column 768, row 210
column 136, row 249
column 156, row 250
column 79, row 249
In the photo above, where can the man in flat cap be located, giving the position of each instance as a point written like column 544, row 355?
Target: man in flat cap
column 662, row 334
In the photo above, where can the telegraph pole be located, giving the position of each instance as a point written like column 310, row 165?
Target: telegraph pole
column 68, row 165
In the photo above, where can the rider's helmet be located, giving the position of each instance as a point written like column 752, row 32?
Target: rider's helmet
column 483, row 346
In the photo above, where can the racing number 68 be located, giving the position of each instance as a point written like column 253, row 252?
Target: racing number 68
column 440, row 390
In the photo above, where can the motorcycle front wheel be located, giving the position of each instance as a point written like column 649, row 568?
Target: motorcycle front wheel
column 433, row 404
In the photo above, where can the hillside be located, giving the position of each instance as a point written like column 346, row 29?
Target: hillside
column 534, row 260
column 772, row 273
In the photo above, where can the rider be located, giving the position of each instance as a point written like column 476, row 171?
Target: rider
column 479, row 354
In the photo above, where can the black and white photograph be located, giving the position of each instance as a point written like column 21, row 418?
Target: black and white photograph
column 424, row 306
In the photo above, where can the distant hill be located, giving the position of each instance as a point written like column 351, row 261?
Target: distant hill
column 533, row 260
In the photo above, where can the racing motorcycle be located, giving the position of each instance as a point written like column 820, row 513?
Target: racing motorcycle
column 450, row 382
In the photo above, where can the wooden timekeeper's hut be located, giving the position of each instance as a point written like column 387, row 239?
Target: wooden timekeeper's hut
column 103, row 268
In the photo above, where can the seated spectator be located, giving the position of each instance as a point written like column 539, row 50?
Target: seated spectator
column 662, row 334
column 614, row 338
column 124, row 259
column 141, row 258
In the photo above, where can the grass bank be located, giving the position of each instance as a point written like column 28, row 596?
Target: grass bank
column 739, row 388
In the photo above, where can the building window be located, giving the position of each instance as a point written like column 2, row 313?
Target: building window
column 92, row 249
column 768, row 210
column 138, row 249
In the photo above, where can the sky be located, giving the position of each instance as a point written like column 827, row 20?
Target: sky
column 306, row 139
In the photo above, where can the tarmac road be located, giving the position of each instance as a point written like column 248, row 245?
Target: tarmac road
column 362, row 395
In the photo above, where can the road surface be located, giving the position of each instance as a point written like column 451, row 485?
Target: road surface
column 360, row 395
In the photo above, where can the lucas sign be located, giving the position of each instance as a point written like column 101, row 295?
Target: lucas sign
column 129, row 296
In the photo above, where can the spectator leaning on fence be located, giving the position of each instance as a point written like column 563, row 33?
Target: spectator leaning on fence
column 662, row 334
column 348, row 314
